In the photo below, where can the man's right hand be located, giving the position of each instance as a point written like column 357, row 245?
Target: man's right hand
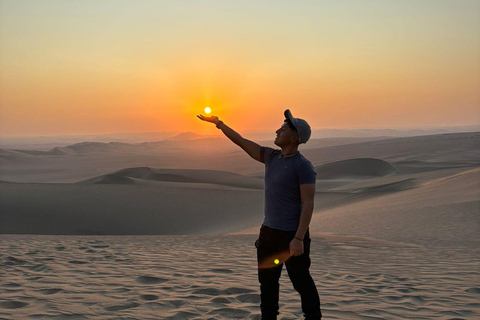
column 212, row 119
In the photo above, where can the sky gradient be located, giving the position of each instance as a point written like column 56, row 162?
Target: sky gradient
column 87, row 67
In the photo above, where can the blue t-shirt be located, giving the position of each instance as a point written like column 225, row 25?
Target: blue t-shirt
column 283, row 177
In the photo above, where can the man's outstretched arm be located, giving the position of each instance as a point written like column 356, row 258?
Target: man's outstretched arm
column 248, row 146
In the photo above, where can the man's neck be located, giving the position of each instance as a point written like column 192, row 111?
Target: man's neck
column 289, row 151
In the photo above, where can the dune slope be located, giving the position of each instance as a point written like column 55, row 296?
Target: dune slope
column 125, row 209
column 360, row 167
column 444, row 211
column 178, row 175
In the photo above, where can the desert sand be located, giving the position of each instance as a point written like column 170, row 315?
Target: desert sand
column 165, row 230
column 205, row 277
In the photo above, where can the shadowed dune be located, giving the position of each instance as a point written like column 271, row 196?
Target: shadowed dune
column 138, row 200
column 358, row 168
column 81, row 148
column 113, row 179
column 353, row 172
column 53, row 152
column 92, row 147
column 178, row 175
column 379, row 185
column 126, row 209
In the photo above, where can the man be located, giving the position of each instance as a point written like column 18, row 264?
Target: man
column 289, row 198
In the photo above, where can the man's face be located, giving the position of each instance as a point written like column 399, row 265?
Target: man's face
column 285, row 135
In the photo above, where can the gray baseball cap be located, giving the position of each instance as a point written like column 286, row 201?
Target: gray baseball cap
column 301, row 125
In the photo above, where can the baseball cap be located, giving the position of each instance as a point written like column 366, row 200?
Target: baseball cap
column 301, row 125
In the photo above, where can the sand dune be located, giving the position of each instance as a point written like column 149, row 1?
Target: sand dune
column 158, row 199
column 358, row 168
column 443, row 211
column 178, row 175
column 407, row 155
column 126, row 209
column 432, row 208
column 438, row 151
column 95, row 147
column 12, row 156
column 380, row 185
column 113, row 179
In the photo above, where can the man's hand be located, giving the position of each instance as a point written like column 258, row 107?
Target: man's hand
column 248, row 146
column 212, row 119
column 296, row 247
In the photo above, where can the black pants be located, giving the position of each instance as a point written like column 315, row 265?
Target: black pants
column 272, row 252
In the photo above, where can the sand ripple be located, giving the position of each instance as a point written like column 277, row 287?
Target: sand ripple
column 203, row 277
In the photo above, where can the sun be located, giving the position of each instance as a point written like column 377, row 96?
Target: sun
column 208, row 110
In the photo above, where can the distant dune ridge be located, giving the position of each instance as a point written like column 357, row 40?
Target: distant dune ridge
column 47, row 142
column 208, row 185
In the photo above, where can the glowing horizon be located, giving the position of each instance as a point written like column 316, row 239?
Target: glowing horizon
column 141, row 66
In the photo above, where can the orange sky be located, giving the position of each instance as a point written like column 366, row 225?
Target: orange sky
column 78, row 67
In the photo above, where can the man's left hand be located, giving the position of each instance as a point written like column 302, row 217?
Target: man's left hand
column 296, row 247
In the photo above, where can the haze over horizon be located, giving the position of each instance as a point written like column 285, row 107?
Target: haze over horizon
column 72, row 68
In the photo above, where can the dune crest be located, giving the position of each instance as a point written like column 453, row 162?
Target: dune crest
column 114, row 179
column 125, row 176
column 384, row 185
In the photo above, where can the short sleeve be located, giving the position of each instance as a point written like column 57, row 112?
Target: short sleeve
column 265, row 153
column 306, row 173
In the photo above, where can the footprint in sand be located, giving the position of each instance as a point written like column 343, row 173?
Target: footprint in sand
column 230, row 313
column 12, row 261
column 122, row 307
column 149, row 297
column 407, row 290
column 148, row 280
column 473, row 290
column 249, row 297
column 220, row 300
column 100, row 246
column 225, row 271
column 12, row 304
column 32, row 252
column 78, row 262
column 208, row 291
column 49, row 291
column 39, row 268
column 417, row 300
column 12, row 285
column 367, row 290
column 236, row 290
